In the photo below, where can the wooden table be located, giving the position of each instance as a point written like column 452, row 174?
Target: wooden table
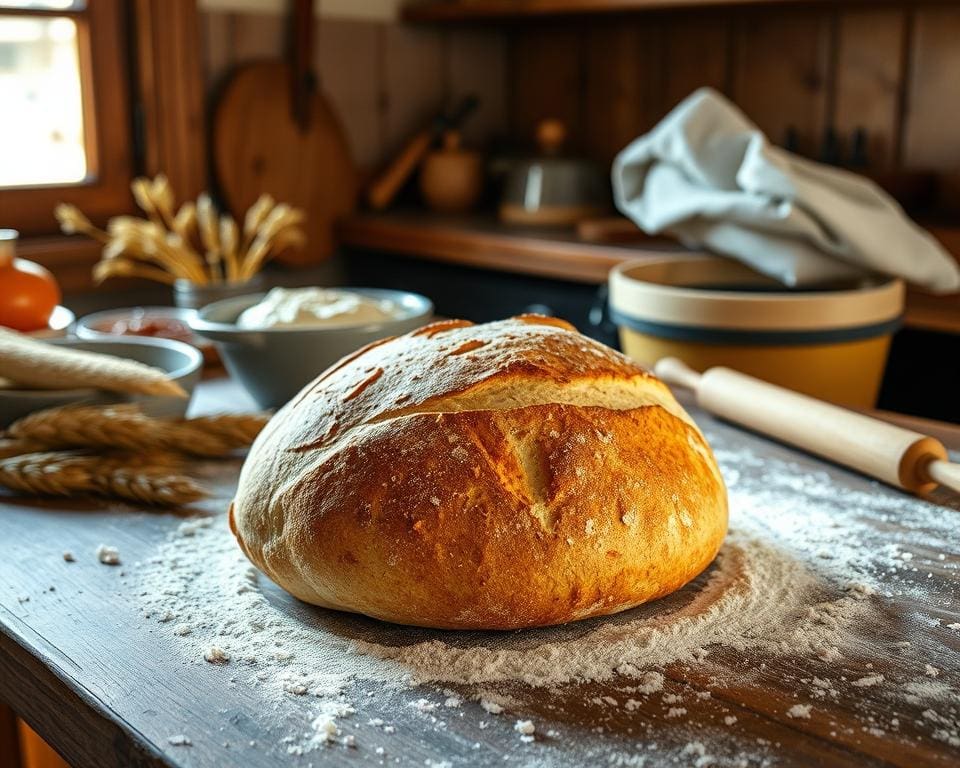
column 82, row 665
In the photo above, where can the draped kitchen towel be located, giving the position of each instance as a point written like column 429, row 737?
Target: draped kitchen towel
column 709, row 176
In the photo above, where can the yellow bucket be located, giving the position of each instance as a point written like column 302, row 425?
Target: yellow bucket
column 707, row 311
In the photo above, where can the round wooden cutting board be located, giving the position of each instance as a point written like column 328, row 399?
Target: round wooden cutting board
column 259, row 147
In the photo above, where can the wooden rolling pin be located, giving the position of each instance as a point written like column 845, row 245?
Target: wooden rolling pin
column 903, row 458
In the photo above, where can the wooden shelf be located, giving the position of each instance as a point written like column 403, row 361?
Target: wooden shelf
column 484, row 243
column 481, row 241
column 501, row 10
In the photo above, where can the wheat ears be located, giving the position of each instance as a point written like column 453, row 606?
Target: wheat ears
column 137, row 479
column 126, row 427
column 193, row 242
column 117, row 451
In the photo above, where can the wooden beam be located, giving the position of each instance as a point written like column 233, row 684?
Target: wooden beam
column 463, row 10
column 170, row 98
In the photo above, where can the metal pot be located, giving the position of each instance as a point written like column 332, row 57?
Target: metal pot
column 553, row 190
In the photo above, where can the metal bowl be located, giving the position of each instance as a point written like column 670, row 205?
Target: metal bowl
column 95, row 325
column 182, row 362
column 273, row 364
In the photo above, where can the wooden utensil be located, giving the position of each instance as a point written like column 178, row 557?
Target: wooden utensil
column 903, row 458
column 274, row 132
column 387, row 184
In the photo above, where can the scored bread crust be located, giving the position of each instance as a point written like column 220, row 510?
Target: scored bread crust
column 497, row 476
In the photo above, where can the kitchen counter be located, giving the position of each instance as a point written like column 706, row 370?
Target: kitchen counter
column 482, row 242
column 88, row 662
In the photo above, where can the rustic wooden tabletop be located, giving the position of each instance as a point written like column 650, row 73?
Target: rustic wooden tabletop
column 87, row 661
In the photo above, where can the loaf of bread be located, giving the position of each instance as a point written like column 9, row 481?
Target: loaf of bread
column 497, row 476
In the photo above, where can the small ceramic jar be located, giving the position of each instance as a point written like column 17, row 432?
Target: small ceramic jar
column 451, row 179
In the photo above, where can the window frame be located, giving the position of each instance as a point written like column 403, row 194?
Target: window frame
column 102, row 42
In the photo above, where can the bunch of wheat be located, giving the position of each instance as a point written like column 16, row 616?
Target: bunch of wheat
column 148, row 480
column 116, row 451
column 193, row 242
column 126, row 427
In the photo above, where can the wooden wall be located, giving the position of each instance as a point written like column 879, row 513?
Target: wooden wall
column 892, row 70
column 384, row 79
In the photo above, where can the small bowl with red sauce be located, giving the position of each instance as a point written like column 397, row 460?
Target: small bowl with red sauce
column 153, row 322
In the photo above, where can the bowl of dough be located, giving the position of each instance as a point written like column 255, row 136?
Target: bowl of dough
column 275, row 343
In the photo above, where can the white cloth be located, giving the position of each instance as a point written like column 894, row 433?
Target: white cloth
column 709, row 176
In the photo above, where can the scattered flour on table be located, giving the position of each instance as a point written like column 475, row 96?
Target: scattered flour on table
column 797, row 576
column 650, row 682
column 755, row 597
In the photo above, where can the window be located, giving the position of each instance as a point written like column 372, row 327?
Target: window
column 65, row 125
column 40, row 84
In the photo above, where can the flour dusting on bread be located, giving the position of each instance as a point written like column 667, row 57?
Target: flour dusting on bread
column 437, row 479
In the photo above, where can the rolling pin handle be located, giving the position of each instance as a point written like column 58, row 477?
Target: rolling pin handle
column 890, row 453
column 916, row 472
column 676, row 372
column 944, row 473
column 898, row 456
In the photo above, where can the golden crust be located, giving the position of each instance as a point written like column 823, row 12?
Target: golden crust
column 429, row 509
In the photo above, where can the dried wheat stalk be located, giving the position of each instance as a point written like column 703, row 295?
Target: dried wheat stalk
column 125, row 426
column 185, row 222
column 195, row 242
column 146, row 241
column 163, row 199
column 125, row 268
column 10, row 448
column 229, row 242
column 209, row 234
column 148, row 480
column 72, row 222
column 238, row 430
column 256, row 214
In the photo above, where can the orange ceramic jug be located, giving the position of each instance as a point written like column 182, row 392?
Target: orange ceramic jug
column 28, row 292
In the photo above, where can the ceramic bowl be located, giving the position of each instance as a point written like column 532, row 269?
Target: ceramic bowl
column 98, row 325
column 274, row 364
column 181, row 361
column 831, row 342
